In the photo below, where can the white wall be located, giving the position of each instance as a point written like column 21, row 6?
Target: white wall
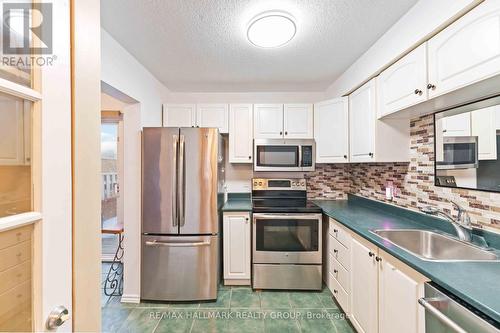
column 422, row 21
column 123, row 72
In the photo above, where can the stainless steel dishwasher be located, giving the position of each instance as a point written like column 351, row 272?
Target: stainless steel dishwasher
column 446, row 314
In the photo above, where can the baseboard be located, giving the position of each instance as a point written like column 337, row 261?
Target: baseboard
column 237, row 282
column 131, row 299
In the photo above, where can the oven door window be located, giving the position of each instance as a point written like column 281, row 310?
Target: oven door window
column 278, row 156
column 287, row 235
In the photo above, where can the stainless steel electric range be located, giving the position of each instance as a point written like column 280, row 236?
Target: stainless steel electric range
column 287, row 242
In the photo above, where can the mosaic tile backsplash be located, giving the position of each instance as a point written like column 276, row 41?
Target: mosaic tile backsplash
column 413, row 181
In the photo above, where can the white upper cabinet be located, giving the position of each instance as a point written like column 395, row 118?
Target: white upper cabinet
column 240, row 133
column 404, row 83
column 457, row 125
column 12, row 133
column 298, row 121
column 179, row 115
column 331, row 130
column 362, row 117
column 213, row 115
column 467, row 51
column 484, row 127
column 371, row 139
column 268, row 121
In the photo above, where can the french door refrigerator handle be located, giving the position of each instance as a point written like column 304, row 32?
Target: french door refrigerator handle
column 182, row 182
column 178, row 244
column 175, row 217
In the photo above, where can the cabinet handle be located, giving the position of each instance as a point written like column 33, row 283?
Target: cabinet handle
column 371, row 254
column 335, row 291
column 378, row 258
column 335, row 271
column 281, row 133
column 345, row 157
column 335, row 251
column 286, row 133
column 370, row 154
column 418, row 92
column 431, row 86
column 335, row 230
column 246, row 218
column 249, row 157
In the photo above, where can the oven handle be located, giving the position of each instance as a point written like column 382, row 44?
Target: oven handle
column 285, row 216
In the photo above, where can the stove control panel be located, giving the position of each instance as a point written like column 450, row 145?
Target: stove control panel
column 265, row 184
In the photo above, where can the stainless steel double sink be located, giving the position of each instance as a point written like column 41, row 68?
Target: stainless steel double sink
column 435, row 246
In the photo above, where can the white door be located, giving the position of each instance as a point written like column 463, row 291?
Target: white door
column 331, row 131
column 467, row 51
column 362, row 117
column 298, row 121
column 179, row 115
column 457, row 125
column 403, row 84
column 364, row 286
column 399, row 310
column 213, row 115
column 237, row 246
column 268, row 121
column 484, row 127
column 240, row 133
column 12, row 136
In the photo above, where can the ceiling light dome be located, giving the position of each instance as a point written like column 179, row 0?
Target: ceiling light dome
column 271, row 29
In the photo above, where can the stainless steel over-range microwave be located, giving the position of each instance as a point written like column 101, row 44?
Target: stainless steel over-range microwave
column 284, row 155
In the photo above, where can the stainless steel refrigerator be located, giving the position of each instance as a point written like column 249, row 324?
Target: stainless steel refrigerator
column 182, row 190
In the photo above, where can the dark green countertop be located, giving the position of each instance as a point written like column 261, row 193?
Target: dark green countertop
column 238, row 202
column 477, row 283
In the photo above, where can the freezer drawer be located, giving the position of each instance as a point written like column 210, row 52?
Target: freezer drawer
column 179, row 268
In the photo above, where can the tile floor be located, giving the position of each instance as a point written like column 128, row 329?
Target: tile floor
column 237, row 309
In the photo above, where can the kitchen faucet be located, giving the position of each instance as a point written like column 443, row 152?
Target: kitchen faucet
column 462, row 224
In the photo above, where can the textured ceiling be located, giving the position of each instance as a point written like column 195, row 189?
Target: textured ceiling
column 201, row 45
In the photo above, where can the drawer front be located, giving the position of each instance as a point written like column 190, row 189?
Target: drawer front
column 339, row 293
column 15, row 276
column 340, row 273
column 339, row 233
column 15, row 255
column 14, row 301
column 340, row 252
column 14, row 236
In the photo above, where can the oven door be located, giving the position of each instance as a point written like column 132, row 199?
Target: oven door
column 287, row 238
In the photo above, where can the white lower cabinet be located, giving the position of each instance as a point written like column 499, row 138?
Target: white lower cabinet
column 237, row 248
column 364, row 286
column 378, row 292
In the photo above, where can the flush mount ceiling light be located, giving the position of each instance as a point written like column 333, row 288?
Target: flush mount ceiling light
column 271, row 29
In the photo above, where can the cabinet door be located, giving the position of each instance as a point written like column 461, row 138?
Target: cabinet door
column 240, row 133
column 331, row 131
column 11, row 132
column 403, row 84
column 399, row 310
column 483, row 126
column 27, row 132
column 213, row 115
column 457, row 125
column 362, row 117
column 179, row 115
column 364, row 286
column 467, row 51
column 236, row 246
column 298, row 121
column 268, row 121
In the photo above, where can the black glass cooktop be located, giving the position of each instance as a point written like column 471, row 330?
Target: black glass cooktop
column 284, row 206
